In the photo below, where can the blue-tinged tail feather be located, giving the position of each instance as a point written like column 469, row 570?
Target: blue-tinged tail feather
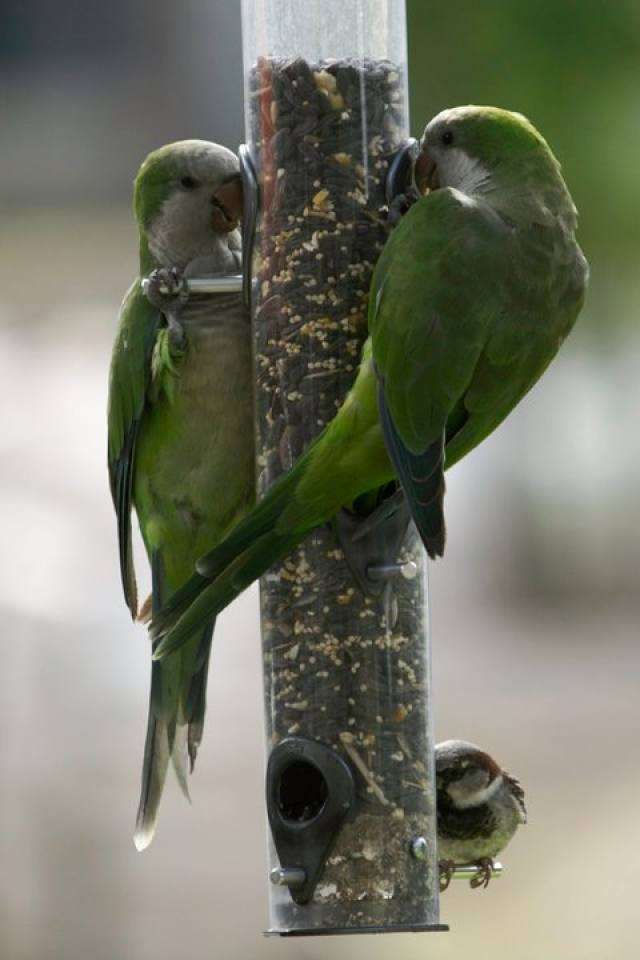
column 422, row 479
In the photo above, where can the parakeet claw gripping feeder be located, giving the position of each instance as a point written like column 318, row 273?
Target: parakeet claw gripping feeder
column 350, row 785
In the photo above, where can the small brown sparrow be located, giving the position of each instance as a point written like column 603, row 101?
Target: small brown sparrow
column 480, row 807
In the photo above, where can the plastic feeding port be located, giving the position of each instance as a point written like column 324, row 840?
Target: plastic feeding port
column 310, row 791
column 302, row 792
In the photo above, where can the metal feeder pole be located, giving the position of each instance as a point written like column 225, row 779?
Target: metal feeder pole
column 350, row 779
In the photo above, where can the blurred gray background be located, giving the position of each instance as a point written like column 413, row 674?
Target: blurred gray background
column 535, row 608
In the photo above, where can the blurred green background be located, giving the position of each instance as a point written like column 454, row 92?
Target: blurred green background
column 535, row 608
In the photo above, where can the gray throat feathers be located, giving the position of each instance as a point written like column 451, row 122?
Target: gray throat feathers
column 513, row 200
column 221, row 255
column 469, row 175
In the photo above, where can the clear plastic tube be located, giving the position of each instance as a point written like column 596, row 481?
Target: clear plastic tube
column 326, row 108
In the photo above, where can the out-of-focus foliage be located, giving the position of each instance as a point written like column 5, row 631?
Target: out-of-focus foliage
column 573, row 67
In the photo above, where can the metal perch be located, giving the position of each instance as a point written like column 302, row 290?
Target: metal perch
column 230, row 283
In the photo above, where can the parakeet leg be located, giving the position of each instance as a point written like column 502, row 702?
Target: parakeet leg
column 484, row 874
column 166, row 290
column 371, row 534
column 177, row 336
column 446, row 869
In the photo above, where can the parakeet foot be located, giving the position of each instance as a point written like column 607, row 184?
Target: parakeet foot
column 373, row 539
column 400, row 205
column 166, row 289
column 484, row 874
column 446, row 868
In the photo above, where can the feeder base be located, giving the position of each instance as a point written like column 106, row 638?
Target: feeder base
column 343, row 931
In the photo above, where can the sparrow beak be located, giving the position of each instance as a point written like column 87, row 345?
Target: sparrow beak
column 425, row 172
column 227, row 204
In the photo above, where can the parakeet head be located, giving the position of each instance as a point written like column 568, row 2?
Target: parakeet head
column 478, row 149
column 187, row 199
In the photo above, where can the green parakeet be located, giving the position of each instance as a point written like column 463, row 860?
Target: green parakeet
column 472, row 296
column 180, row 422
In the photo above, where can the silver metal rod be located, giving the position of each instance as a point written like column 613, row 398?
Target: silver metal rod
column 465, row 871
column 385, row 571
column 288, row 876
column 230, row 283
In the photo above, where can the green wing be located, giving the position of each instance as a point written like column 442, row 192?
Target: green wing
column 129, row 381
column 541, row 292
column 431, row 309
column 465, row 316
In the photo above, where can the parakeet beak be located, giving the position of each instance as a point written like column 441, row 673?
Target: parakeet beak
column 227, row 205
column 425, row 172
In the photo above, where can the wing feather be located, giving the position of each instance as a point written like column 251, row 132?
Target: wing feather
column 129, row 381
column 466, row 313
column 430, row 319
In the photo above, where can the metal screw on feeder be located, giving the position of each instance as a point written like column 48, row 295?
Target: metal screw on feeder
column 290, row 877
column 350, row 779
column 386, row 571
column 419, row 848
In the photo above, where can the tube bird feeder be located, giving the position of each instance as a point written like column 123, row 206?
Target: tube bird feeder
column 350, row 782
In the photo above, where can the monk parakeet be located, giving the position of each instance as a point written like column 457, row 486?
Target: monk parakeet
column 472, row 296
column 180, row 422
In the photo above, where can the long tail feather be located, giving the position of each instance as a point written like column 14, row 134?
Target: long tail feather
column 179, row 758
column 177, row 703
column 154, row 771
column 246, row 568
column 197, row 697
column 177, row 603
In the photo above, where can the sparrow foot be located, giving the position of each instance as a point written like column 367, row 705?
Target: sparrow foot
column 446, row 868
column 166, row 289
column 484, row 874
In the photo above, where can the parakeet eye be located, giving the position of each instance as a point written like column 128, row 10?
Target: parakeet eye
column 188, row 183
column 447, row 138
